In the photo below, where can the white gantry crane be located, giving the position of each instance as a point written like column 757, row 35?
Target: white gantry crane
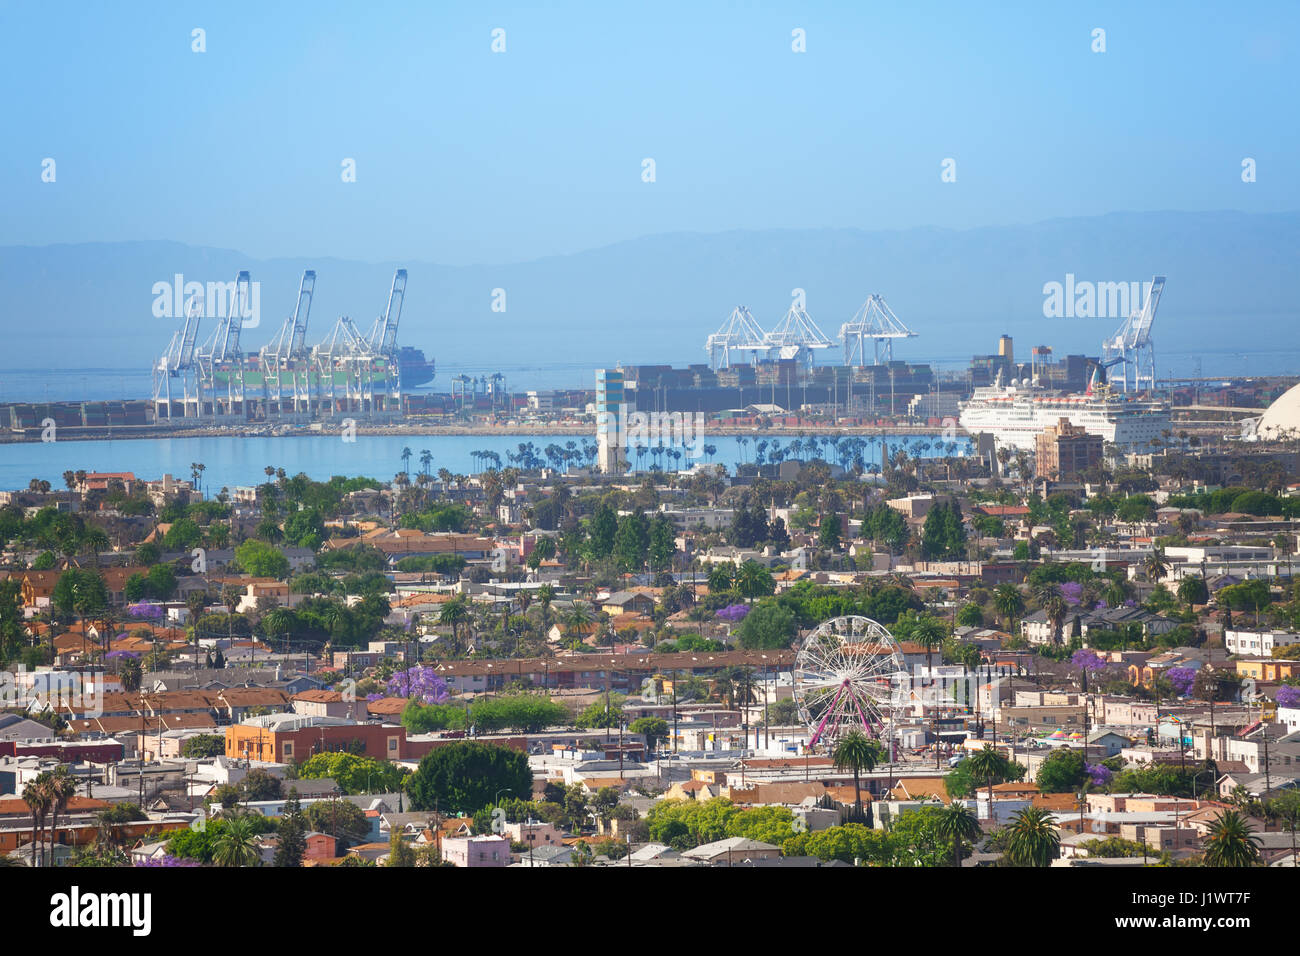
column 797, row 336
column 739, row 333
column 285, row 361
column 1131, row 347
column 220, row 361
column 361, row 372
column 178, row 363
column 875, row 321
column 383, row 334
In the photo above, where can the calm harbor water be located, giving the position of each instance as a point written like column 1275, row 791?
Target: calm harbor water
column 242, row 461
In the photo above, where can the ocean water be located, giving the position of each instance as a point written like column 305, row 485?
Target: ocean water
column 231, row 462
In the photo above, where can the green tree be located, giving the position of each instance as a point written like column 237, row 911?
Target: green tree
column 203, row 746
column 1193, row 590
column 292, row 833
column 1285, row 808
column 943, row 534
column 524, row 712
column 1114, row 847
column 1032, row 838
column 970, row 615
column 261, row 785
column 654, row 729
column 79, row 592
column 986, row 764
column 1009, row 603
column 663, row 542
column 603, row 527
column 597, row 714
column 828, row 532
column 466, row 776
column 400, row 853
column 237, row 844
column 455, row 614
column 354, row 774
column 262, row 560
column 1231, row 841
column 420, row 718
column 1063, row 771
column 847, row 843
column 160, row 582
column 855, row 751
column 341, row 819
column 183, row 535
column 768, row 626
column 958, row 824
column 632, row 541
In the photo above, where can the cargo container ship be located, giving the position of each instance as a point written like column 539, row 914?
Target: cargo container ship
column 413, row 368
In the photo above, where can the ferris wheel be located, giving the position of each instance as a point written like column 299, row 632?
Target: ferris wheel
column 845, row 677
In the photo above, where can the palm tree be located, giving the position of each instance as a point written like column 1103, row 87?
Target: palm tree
column 1008, row 602
column 1056, row 608
column 62, row 788
column 454, row 614
column 278, row 622
column 96, row 542
column 986, row 763
column 545, row 595
column 752, row 580
column 857, row 752
column 577, row 619
column 36, row 794
column 929, row 633
column 1156, row 564
column 1032, row 838
column 406, row 460
column 1231, row 841
column 130, row 673
column 237, row 845
column 958, row 823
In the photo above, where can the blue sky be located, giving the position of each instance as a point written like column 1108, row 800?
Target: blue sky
column 464, row 156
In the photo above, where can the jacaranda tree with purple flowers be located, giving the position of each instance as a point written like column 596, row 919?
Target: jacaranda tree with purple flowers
column 1088, row 662
column 420, row 682
column 1100, row 774
column 1288, row 696
column 733, row 612
column 1181, row 678
column 145, row 610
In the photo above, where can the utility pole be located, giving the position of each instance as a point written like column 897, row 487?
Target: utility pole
column 141, row 754
column 1268, row 780
column 674, row 718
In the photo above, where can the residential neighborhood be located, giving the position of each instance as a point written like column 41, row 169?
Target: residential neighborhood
column 898, row 670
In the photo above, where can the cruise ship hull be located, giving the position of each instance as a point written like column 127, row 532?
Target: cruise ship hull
column 1016, row 418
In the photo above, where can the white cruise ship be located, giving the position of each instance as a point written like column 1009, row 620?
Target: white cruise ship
column 1015, row 414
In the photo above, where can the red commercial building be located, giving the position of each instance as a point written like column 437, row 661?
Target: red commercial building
column 285, row 738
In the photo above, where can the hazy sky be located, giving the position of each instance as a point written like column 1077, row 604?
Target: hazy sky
column 465, row 155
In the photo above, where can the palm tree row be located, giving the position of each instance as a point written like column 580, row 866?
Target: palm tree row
column 47, row 796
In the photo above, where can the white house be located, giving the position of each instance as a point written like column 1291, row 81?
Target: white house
column 1257, row 643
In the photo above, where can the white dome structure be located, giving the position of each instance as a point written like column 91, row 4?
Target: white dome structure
column 1282, row 417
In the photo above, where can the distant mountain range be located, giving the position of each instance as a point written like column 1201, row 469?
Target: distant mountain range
column 1232, row 286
